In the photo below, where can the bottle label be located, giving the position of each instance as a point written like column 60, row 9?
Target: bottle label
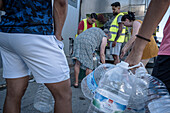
column 91, row 83
column 107, row 105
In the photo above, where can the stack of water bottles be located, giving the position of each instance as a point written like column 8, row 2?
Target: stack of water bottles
column 158, row 97
column 113, row 90
column 149, row 94
column 118, row 90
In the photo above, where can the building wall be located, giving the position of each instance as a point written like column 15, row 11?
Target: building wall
column 104, row 6
column 71, row 24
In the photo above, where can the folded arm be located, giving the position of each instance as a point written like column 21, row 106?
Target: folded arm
column 102, row 49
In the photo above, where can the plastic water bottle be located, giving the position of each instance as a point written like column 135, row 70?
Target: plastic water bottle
column 96, row 60
column 90, row 83
column 138, row 98
column 158, row 97
column 113, row 92
column 149, row 94
column 161, row 105
column 43, row 100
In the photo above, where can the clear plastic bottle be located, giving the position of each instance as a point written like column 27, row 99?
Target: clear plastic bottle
column 160, row 105
column 149, row 94
column 158, row 97
column 113, row 92
column 90, row 83
column 138, row 97
column 43, row 100
column 96, row 60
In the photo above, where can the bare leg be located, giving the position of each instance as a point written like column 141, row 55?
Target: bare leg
column 116, row 59
column 88, row 71
column 76, row 72
column 145, row 61
column 62, row 95
column 15, row 91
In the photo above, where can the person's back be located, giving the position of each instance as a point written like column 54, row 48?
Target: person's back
column 92, row 36
column 25, row 16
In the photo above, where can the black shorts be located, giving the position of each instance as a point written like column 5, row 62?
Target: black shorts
column 161, row 69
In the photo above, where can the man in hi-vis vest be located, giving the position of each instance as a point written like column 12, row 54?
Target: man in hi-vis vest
column 87, row 23
column 117, row 30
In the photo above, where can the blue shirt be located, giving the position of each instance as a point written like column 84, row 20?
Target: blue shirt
column 27, row 16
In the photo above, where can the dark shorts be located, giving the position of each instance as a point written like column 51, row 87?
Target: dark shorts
column 162, row 69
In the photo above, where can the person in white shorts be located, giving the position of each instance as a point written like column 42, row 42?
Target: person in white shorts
column 29, row 42
column 117, row 30
column 116, row 49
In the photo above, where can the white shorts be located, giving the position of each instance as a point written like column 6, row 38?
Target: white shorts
column 115, row 50
column 42, row 54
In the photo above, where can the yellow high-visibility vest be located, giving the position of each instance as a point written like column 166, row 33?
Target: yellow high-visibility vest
column 85, row 25
column 114, row 29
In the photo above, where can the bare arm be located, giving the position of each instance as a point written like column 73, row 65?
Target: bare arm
column 1, row 5
column 60, row 13
column 80, row 27
column 150, row 22
column 80, row 31
column 119, row 31
column 118, row 34
column 136, row 26
column 102, row 49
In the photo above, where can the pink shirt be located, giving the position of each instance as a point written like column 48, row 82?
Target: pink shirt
column 165, row 44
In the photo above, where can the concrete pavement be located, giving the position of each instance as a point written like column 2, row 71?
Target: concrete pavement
column 79, row 102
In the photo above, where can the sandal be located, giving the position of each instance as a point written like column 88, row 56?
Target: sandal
column 76, row 85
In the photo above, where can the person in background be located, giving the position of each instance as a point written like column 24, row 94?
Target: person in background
column 87, row 23
column 161, row 69
column 85, row 44
column 28, row 41
column 117, row 30
column 151, row 49
column 101, row 20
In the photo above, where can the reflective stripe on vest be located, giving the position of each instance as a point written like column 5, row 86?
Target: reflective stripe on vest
column 114, row 29
column 85, row 25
